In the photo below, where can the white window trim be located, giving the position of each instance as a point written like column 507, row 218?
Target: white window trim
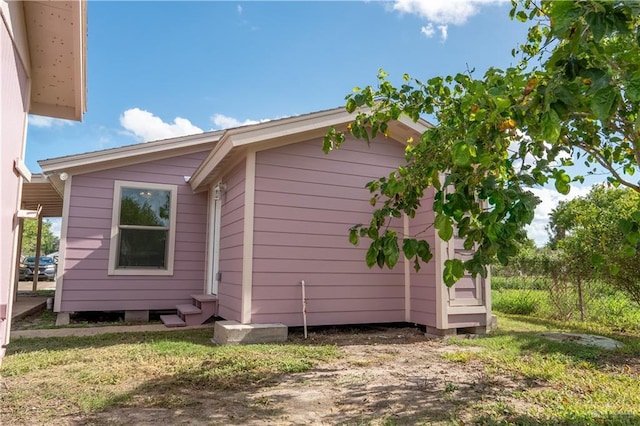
column 115, row 221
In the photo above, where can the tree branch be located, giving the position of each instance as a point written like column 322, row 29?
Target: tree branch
column 609, row 168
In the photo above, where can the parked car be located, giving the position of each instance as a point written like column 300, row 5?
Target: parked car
column 26, row 273
column 50, row 272
column 44, row 263
column 54, row 256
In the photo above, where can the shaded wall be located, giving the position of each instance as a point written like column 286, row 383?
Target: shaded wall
column 231, row 244
column 305, row 203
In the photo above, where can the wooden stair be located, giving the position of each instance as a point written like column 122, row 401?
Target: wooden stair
column 202, row 308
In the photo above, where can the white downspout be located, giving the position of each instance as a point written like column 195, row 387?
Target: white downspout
column 304, row 308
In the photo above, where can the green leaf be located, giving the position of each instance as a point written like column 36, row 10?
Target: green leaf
column 353, row 236
column 391, row 251
column 625, row 225
column 628, row 251
column 632, row 238
column 453, row 271
column 551, row 126
column 380, row 259
column 614, row 269
column 372, row 255
column 410, row 247
column 424, row 251
column 522, row 16
column 632, row 88
column 444, row 227
column 603, row 103
column 562, row 183
column 351, row 105
column 461, row 154
column 563, row 15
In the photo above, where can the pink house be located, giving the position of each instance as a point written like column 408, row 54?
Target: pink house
column 42, row 45
column 233, row 222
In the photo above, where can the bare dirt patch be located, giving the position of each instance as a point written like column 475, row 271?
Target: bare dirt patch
column 383, row 376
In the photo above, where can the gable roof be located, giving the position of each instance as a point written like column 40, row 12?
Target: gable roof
column 125, row 155
column 235, row 142
column 226, row 146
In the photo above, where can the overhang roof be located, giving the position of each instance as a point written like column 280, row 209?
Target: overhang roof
column 39, row 192
column 56, row 33
column 234, row 142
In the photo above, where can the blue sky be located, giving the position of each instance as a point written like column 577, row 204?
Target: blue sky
column 163, row 69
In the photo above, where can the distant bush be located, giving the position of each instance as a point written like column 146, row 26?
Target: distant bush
column 517, row 302
column 616, row 311
column 517, row 283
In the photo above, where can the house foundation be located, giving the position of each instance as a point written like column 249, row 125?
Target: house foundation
column 63, row 318
column 136, row 316
column 234, row 333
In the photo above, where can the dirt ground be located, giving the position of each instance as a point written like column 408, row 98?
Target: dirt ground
column 384, row 376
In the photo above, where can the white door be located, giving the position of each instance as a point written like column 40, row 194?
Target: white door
column 215, row 205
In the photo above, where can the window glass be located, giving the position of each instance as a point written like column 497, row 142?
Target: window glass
column 144, row 227
column 142, row 248
column 145, row 207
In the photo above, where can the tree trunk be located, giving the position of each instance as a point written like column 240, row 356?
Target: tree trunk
column 580, row 299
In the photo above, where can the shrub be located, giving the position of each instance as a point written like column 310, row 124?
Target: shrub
column 518, row 302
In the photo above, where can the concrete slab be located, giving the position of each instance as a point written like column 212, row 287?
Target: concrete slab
column 94, row 331
column 136, row 316
column 583, row 339
column 234, row 333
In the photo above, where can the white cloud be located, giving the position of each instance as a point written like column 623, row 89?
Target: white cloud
column 147, row 127
column 428, row 30
column 223, row 122
column 442, row 12
column 444, row 31
column 40, row 121
column 239, row 8
column 549, row 200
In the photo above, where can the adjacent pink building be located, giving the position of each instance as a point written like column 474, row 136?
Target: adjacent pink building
column 42, row 45
column 241, row 218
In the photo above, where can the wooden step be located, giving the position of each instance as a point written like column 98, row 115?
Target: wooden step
column 172, row 321
column 187, row 309
column 204, row 297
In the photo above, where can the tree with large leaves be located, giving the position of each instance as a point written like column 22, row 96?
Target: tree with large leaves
column 49, row 242
column 573, row 96
column 592, row 233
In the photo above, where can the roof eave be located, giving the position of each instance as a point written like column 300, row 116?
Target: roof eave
column 129, row 154
column 289, row 130
column 58, row 73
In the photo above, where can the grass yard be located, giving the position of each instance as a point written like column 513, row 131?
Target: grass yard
column 380, row 376
column 49, row 379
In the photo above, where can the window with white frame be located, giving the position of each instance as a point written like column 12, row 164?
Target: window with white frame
column 143, row 229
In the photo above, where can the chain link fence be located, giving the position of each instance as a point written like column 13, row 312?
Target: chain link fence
column 545, row 290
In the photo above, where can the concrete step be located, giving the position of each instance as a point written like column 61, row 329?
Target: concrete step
column 172, row 321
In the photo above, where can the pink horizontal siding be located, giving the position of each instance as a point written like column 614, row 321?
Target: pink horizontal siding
column 467, row 320
column 231, row 244
column 87, row 286
column 14, row 92
column 305, row 202
column 423, row 282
